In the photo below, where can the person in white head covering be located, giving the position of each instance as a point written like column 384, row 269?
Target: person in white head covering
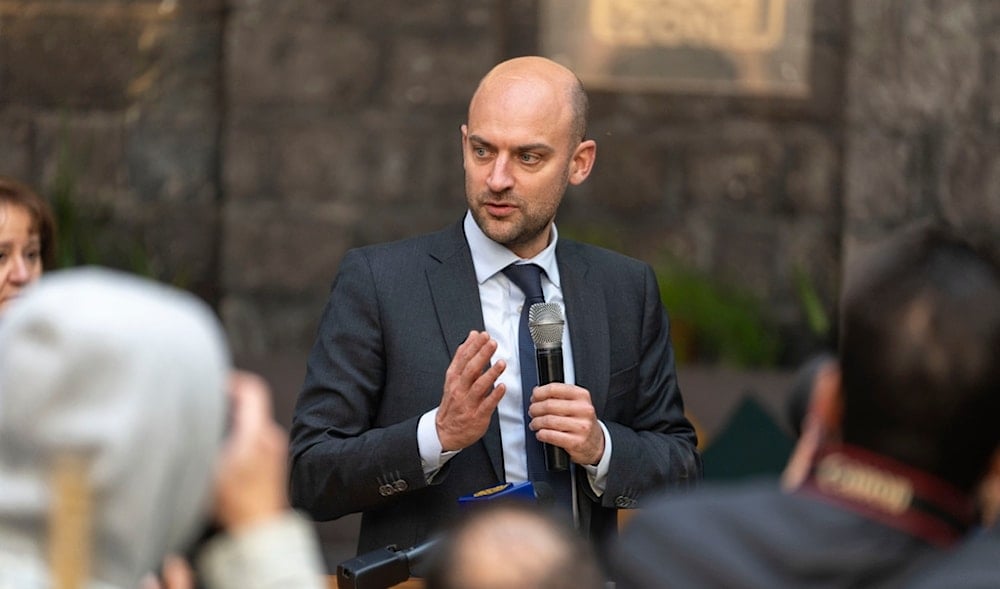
column 113, row 445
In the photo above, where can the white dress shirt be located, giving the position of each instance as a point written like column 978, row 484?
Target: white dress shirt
column 501, row 302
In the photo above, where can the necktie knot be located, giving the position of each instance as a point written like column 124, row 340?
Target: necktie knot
column 528, row 278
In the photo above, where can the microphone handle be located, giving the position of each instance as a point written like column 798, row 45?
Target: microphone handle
column 549, row 362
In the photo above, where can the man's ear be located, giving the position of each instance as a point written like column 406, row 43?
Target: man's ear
column 820, row 426
column 465, row 139
column 989, row 492
column 827, row 403
column 582, row 161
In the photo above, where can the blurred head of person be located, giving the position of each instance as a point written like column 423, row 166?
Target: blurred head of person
column 920, row 355
column 27, row 238
column 123, row 379
column 513, row 544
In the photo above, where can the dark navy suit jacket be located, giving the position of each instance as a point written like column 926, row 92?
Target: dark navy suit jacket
column 395, row 316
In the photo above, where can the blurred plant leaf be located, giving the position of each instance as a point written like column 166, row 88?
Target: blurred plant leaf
column 725, row 324
column 812, row 305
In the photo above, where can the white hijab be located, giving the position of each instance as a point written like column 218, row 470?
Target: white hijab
column 130, row 374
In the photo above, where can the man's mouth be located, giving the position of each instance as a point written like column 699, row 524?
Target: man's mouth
column 499, row 209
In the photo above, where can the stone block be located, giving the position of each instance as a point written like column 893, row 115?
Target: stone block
column 179, row 241
column 878, row 183
column 826, row 87
column 829, row 18
column 913, row 62
column 174, row 158
column 735, row 165
column 86, row 150
column 810, row 171
column 970, row 196
column 415, row 161
column 991, row 92
column 809, row 244
column 394, row 15
column 196, row 8
column 378, row 17
column 262, row 325
column 424, row 71
column 50, row 60
column 300, row 10
column 745, row 251
column 383, row 224
column 301, row 156
column 282, row 248
column 15, row 157
column 184, row 74
column 293, row 62
column 629, row 177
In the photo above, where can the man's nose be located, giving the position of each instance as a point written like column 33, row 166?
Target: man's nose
column 500, row 178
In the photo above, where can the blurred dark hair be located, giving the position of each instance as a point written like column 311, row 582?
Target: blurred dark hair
column 920, row 354
column 15, row 193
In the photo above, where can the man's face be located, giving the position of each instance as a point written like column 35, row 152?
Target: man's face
column 519, row 155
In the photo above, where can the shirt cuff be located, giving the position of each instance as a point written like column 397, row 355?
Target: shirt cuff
column 598, row 475
column 432, row 457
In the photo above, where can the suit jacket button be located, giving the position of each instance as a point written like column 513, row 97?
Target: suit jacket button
column 400, row 485
column 623, row 502
column 386, row 490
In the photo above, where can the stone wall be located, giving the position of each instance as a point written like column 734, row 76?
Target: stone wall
column 122, row 101
column 923, row 118
column 342, row 129
column 249, row 143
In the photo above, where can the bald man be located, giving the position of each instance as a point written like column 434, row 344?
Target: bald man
column 413, row 395
column 513, row 544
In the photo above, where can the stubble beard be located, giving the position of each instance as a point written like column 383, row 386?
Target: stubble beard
column 520, row 229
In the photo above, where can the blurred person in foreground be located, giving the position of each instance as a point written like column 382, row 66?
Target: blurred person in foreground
column 513, row 544
column 976, row 563
column 415, row 391
column 114, row 449
column 27, row 239
column 882, row 483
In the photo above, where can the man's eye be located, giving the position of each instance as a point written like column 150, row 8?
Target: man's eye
column 530, row 158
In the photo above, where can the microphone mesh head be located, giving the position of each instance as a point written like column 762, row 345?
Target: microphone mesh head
column 545, row 322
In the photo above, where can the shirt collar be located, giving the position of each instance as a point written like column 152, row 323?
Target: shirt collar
column 489, row 257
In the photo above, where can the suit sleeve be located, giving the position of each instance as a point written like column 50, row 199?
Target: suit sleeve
column 654, row 446
column 342, row 460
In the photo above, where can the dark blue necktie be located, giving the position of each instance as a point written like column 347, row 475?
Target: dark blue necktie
column 528, row 278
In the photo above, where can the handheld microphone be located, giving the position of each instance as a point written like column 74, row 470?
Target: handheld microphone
column 545, row 322
column 389, row 566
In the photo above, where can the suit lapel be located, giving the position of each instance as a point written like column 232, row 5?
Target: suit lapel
column 586, row 317
column 452, row 281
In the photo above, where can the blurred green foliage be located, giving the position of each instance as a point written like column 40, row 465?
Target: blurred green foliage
column 812, row 305
column 90, row 235
column 712, row 322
